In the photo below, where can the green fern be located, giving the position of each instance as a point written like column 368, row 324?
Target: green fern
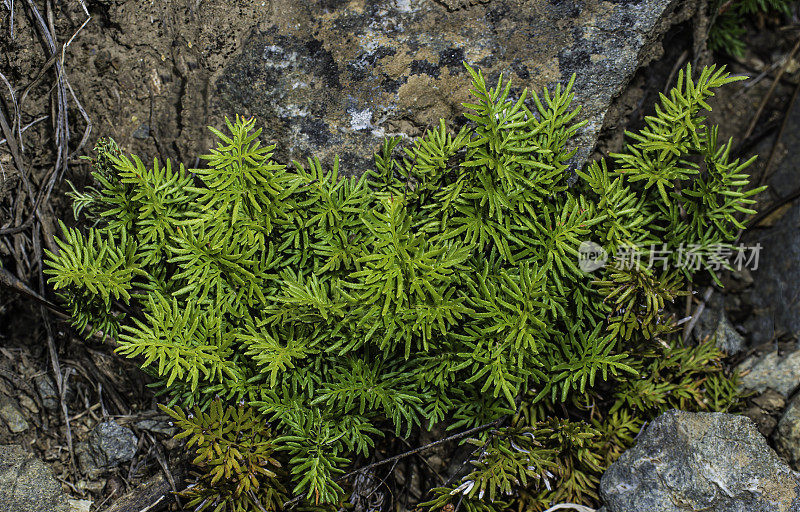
column 238, row 453
column 325, row 316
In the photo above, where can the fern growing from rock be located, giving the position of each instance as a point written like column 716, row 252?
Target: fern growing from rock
column 323, row 315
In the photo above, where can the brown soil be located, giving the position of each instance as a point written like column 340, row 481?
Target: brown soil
column 142, row 72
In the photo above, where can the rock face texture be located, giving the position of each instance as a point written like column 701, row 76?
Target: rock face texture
column 771, row 371
column 335, row 77
column 775, row 297
column 713, row 462
column 109, row 445
column 11, row 415
column 27, row 484
column 714, row 324
column 323, row 77
column 787, row 436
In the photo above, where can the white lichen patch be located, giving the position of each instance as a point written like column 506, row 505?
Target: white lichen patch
column 277, row 57
column 360, row 119
column 403, row 5
column 291, row 110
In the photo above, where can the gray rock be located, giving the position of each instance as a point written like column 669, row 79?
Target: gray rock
column 142, row 132
column 713, row 462
column 163, row 427
column 775, row 294
column 714, row 323
column 770, row 401
column 27, row 484
column 787, row 435
column 109, row 445
column 113, row 443
column 328, row 78
column 47, row 392
column 726, row 337
column 12, row 416
column 771, row 371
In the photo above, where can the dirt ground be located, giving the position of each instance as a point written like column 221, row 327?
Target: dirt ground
column 142, row 71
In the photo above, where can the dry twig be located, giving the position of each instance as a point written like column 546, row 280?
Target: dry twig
column 687, row 330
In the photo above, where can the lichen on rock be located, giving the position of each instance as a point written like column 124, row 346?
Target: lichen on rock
column 714, row 462
column 335, row 78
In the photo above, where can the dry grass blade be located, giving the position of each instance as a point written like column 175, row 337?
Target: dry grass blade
column 14, row 102
column 86, row 118
column 150, row 495
column 39, row 75
column 8, row 133
column 162, row 461
column 687, row 330
column 61, row 121
column 772, row 152
column 10, row 6
column 25, row 128
column 12, row 283
column 90, row 371
column 65, row 410
column 20, row 165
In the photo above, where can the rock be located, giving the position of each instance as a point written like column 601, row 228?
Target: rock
column 765, row 410
column 328, row 78
column 740, row 280
column 28, row 403
column 113, row 443
column 714, row 323
column 142, row 132
column 771, row 371
column 94, row 484
column 47, row 392
column 771, row 401
column 12, row 416
column 109, row 445
column 714, row 462
column 787, row 435
column 157, row 427
column 80, row 505
column 322, row 76
column 27, row 484
column 726, row 337
column 774, row 296
column 765, row 422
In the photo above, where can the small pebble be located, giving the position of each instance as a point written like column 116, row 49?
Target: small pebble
column 47, row 391
column 28, row 403
column 12, row 416
column 142, row 132
column 80, row 505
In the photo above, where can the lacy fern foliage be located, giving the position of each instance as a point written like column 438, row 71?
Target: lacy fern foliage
column 305, row 317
